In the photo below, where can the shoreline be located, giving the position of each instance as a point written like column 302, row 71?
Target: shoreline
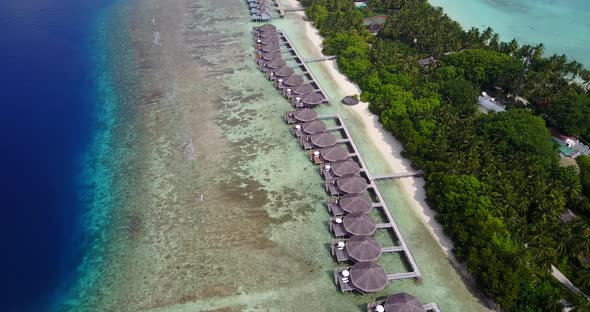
column 388, row 146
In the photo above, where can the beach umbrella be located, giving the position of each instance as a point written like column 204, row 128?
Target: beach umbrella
column 313, row 127
column 305, row 114
column 368, row 277
column 359, row 224
column 333, row 154
column 346, row 167
column 293, row 81
column 363, row 248
column 352, row 203
column 323, row 139
column 352, row 184
column 313, row 98
column 403, row 302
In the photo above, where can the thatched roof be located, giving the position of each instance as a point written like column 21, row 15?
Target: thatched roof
column 271, row 56
column 313, row 127
column 276, row 63
column 323, row 139
column 267, row 34
column 427, row 61
column 271, row 48
column 269, row 40
column 363, row 248
column 355, row 203
column 342, row 168
column 313, row 98
column 349, row 100
column 266, row 27
column 303, row 89
column 334, row 153
column 368, row 277
column 284, row 71
column 359, row 224
column 293, row 81
column 403, row 302
column 352, row 184
column 305, row 114
column 567, row 216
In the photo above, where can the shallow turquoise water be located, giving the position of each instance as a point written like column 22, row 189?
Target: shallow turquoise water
column 562, row 25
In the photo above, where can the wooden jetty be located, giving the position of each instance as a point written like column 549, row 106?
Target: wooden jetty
column 398, row 175
column 403, row 247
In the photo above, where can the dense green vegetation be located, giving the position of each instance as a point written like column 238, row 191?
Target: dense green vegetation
column 495, row 179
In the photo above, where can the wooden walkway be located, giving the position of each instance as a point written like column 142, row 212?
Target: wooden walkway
column 415, row 271
column 283, row 36
column 320, row 59
column 431, row 307
column 398, row 175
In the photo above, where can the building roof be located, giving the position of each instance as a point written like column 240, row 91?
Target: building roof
column 305, row 114
column 266, row 27
column 427, row 61
column 276, row 63
column 284, row 71
column 345, row 167
column 313, row 127
column 271, row 56
column 314, row 98
column 324, row 139
column 267, row 33
column 293, row 81
column 351, row 184
column 489, row 105
column 368, row 277
column 363, row 248
column 567, row 216
column 271, row 48
column 333, row 153
column 355, row 203
column 359, row 224
column 403, row 302
column 269, row 40
column 303, row 89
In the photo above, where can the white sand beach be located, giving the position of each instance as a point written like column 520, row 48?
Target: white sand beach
column 389, row 147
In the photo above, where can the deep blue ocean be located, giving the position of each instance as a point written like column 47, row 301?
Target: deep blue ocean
column 47, row 107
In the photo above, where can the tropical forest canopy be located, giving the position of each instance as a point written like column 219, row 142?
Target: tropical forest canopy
column 495, row 178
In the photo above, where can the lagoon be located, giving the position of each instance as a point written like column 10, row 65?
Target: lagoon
column 561, row 25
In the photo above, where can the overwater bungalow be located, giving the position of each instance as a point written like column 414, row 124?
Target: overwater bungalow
column 329, row 154
column 308, row 100
column 270, row 48
column 260, row 9
column 266, row 33
column 348, row 184
column 364, row 277
column 339, row 169
column 300, row 115
column 290, row 82
column 298, row 91
column 362, row 248
column 272, row 65
column 352, row 224
column 266, row 41
column 320, row 140
column 350, row 203
column 267, row 57
column 309, row 128
column 400, row 302
column 282, row 72
column 266, row 27
column 260, row 17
